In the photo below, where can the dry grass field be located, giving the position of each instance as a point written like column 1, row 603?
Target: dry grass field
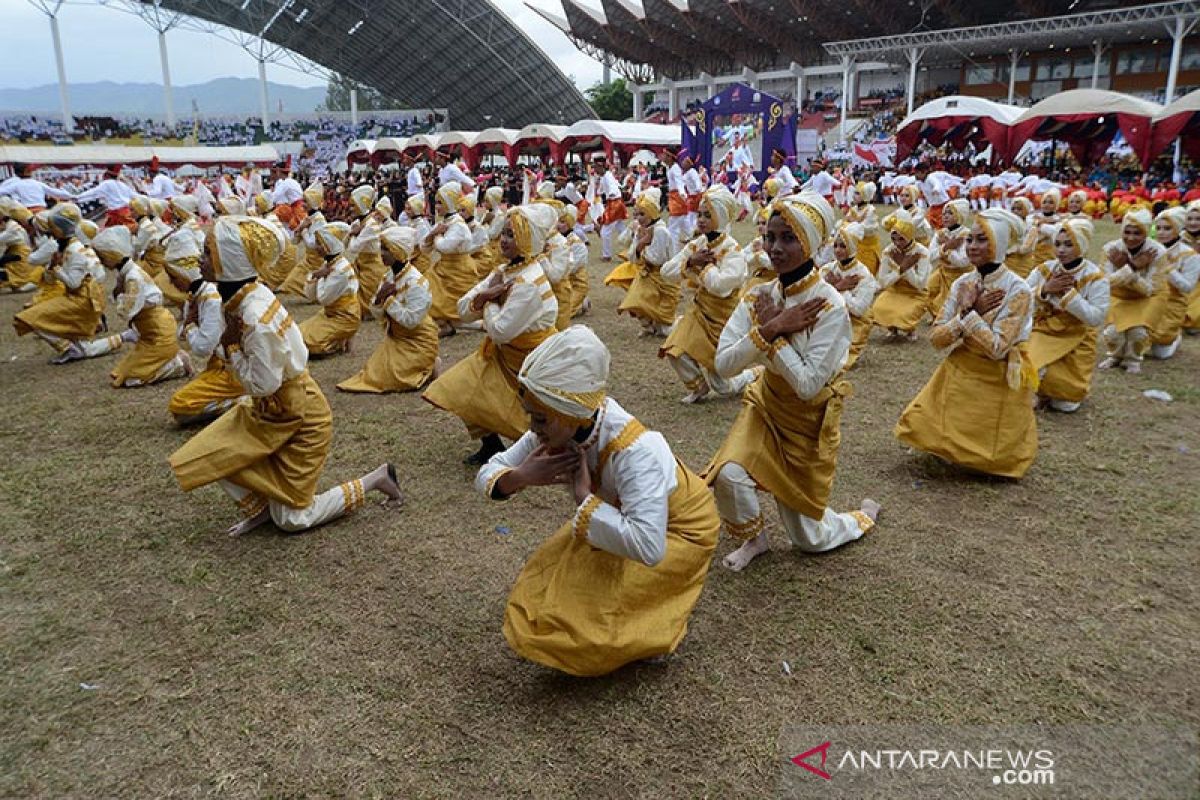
column 146, row 654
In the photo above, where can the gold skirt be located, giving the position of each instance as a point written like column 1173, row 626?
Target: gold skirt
column 279, row 273
column 939, row 288
column 699, row 329
column 579, row 290
column 1021, row 263
column 297, row 279
column 481, row 389
column 869, row 252
column 454, row 276
column 587, row 612
column 622, row 275
column 327, row 331
column 564, row 296
column 651, row 298
column 402, row 362
column 371, row 271
column 967, row 414
column 275, row 446
column 900, row 306
column 860, row 334
column 21, row 272
column 788, row 445
column 1066, row 350
column 157, row 344
column 172, row 295
column 69, row 315
column 1192, row 320
column 1171, row 318
column 1128, row 309
column 207, row 392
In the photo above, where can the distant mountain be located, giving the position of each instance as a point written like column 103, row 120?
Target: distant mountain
column 220, row 97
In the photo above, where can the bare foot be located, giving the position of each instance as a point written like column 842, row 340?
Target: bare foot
column 249, row 523
column 695, row 397
column 437, row 369
column 1109, row 363
column 1133, row 367
column 870, row 508
column 383, row 479
column 739, row 559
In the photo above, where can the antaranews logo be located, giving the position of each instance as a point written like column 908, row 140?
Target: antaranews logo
column 1011, row 767
column 802, row 760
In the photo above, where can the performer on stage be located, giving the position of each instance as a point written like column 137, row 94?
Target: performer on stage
column 617, row 583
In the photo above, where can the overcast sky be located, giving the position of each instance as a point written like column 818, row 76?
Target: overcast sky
column 106, row 44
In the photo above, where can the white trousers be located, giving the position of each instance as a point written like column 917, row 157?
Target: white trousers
column 1164, row 351
column 327, row 506
column 607, row 232
column 678, row 227
column 693, row 376
column 1130, row 345
column 737, row 502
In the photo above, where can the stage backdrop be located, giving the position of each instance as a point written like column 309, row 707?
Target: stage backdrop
column 740, row 126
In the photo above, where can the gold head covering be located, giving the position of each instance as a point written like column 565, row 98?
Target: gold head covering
column 866, row 190
column 1002, row 228
column 241, row 246
column 493, row 197
column 158, row 207
column 1081, row 232
column 140, row 205
column 331, row 238
column 88, row 230
column 415, row 205
column 545, row 190
column 183, row 256
column 810, row 217
column 184, row 206
column 901, row 222
column 400, row 241
column 568, row 214
column 1051, row 194
column 1139, row 217
column 263, row 204
column 771, row 187
column 314, row 196
column 1079, row 196
column 363, row 199
column 912, row 193
column 232, row 206
column 1022, row 206
column 568, row 373
column 450, row 197
column 61, row 225
column 531, row 225
column 852, row 234
column 721, row 203
column 649, row 202
column 115, row 241
column 384, row 206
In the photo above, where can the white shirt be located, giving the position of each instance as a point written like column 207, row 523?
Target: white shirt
column 451, row 173
column 530, row 305
column 822, row 183
column 416, row 183
column 412, row 300
column 340, row 282
column 31, row 193
column 204, row 335
column 111, row 192
column 675, row 179
column 1008, row 326
column 787, row 181
column 272, row 349
column 138, row 291
column 633, row 491
column 609, row 188
column 162, row 187
column 691, row 183
column 1087, row 301
column 721, row 278
column 916, row 276
column 861, row 297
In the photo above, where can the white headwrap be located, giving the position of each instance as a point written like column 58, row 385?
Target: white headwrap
column 721, row 204
column 363, row 199
column 244, row 247
column 1139, row 217
column 232, row 206
column 1081, row 232
column 1003, row 229
column 852, row 234
column 545, row 190
column 568, row 373
column 532, row 224
column 331, row 238
column 400, row 241
column 114, row 240
column 962, row 211
column 183, row 256
column 1177, row 216
column 493, row 197
column 810, row 217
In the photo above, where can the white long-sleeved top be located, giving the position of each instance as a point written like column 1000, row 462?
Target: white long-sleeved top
column 1004, row 327
column 457, row 238
column 1142, row 281
column 150, row 233
column 866, row 215
column 1087, row 301
column 861, row 297
column 272, row 349
column 247, row 188
column 627, row 513
column 692, row 183
column 31, row 193
column 77, row 264
column 917, row 276
column 366, row 241
column 1182, row 267
column 949, row 250
column 340, row 282
column 558, row 258
column 162, row 187
column 452, row 173
column 822, row 183
column 138, row 291
column 112, row 193
column 204, row 335
column 787, row 181
column 570, row 194
column 12, row 235
column 609, row 188
column 530, row 305
column 44, row 248
column 479, row 235
column 721, row 278
column 286, row 192
column 416, row 181
column 412, row 300
column 675, row 179
column 808, row 360
column 660, row 249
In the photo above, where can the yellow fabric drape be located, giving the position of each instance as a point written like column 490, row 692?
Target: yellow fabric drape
column 332, row 327
column 1065, row 347
column 587, row 612
column 156, row 345
column 371, row 271
column 699, row 329
column 450, row 278
column 403, row 361
column 71, row 315
column 215, row 385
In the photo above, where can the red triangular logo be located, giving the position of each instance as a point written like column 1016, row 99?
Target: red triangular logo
column 823, row 749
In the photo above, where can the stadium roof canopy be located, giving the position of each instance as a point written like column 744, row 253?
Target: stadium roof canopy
column 649, row 39
column 464, row 55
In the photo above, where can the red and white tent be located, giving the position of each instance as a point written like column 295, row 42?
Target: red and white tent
column 1181, row 120
column 957, row 120
column 1087, row 120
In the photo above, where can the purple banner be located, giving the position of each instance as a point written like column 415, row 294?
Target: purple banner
column 740, row 127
